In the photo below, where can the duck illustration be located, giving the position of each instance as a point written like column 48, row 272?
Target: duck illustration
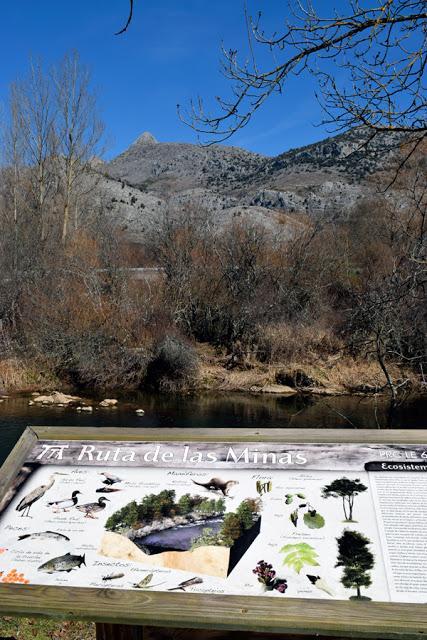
column 64, row 505
column 27, row 502
column 110, row 478
column 93, row 507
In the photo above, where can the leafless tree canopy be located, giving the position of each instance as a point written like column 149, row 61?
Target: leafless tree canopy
column 376, row 49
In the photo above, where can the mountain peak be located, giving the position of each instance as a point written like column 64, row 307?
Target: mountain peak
column 146, row 138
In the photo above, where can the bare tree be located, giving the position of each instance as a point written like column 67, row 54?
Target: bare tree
column 78, row 131
column 380, row 51
column 32, row 136
column 388, row 302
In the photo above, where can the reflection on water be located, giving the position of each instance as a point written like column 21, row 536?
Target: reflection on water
column 214, row 410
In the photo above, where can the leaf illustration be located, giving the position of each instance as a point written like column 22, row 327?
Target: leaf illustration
column 314, row 520
column 294, row 517
column 301, row 495
column 298, row 555
column 289, row 498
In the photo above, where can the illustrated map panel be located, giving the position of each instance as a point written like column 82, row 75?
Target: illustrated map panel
column 330, row 521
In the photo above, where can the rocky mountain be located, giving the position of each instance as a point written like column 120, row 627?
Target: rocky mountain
column 327, row 177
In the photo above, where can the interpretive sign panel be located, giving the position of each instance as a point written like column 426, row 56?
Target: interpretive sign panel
column 315, row 532
column 328, row 521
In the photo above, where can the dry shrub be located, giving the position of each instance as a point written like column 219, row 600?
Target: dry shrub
column 296, row 343
column 88, row 322
column 20, row 375
column 174, row 365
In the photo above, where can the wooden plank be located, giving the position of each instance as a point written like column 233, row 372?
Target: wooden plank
column 12, row 466
column 398, row 436
column 203, row 611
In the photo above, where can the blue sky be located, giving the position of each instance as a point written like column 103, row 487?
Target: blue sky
column 170, row 54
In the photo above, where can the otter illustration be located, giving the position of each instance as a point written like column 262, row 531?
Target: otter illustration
column 216, row 484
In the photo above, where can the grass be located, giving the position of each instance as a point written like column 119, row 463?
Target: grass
column 44, row 629
column 18, row 375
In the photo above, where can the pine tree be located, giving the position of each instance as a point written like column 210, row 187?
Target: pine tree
column 357, row 560
column 345, row 489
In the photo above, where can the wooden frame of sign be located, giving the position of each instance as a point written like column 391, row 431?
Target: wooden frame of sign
column 143, row 609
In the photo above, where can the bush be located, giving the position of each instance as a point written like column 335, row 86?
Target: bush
column 174, row 365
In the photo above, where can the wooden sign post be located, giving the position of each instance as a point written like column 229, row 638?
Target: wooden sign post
column 150, row 533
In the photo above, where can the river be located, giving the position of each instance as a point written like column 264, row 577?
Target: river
column 214, row 410
column 178, row 538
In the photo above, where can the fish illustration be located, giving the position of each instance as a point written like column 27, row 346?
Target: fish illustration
column 113, row 576
column 187, row 583
column 63, row 563
column 44, row 535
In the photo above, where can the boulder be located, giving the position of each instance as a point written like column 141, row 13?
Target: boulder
column 209, row 560
column 109, row 402
column 56, row 398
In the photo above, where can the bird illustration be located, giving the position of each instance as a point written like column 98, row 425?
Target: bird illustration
column 64, row 505
column 27, row 502
column 109, row 478
column 107, row 490
column 320, row 584
column 93, row 507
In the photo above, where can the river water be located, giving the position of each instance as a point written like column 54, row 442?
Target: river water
column 212, row 410
column 178, row 538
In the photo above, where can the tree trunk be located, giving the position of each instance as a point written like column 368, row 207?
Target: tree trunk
column 381, row 361
column 344, row 508
column 350, row 507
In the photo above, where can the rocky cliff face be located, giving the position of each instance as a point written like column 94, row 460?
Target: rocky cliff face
column 329, row 177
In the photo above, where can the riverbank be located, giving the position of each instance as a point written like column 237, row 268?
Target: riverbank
column 328, row 376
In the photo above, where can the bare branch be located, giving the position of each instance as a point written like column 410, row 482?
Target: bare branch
column 129, row 20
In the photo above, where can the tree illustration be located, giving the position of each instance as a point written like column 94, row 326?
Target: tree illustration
column 298, row 555
column 347, row 490
column 357, row 560
column 231, row 529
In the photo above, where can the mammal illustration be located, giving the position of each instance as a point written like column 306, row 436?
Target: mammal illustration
column 216, row 484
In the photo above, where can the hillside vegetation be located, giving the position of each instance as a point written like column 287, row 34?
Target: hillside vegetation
column 178, row 267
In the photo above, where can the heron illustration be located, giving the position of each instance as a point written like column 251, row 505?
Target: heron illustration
column 34, row 495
